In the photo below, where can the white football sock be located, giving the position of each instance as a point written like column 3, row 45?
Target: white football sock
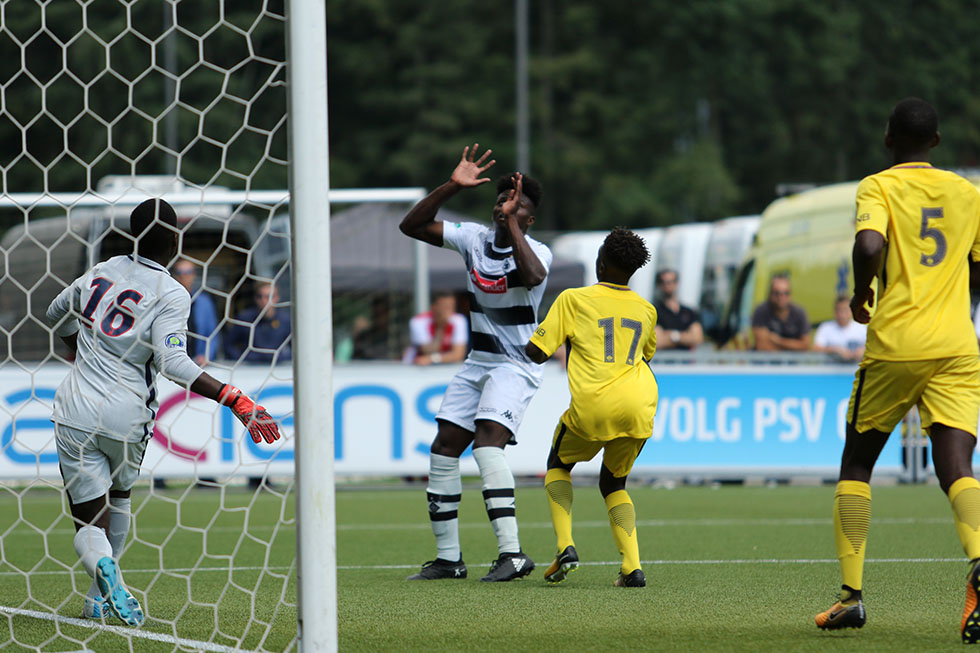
column 91, row 545
column 444, row 493
column 498, row 495
column 119, row 521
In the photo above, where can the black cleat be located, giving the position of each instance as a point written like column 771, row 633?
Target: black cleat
column 509, row 566
column 633, row 579
column 842, row 616
column 565, row 563
column 970, row 626
column 439, row 568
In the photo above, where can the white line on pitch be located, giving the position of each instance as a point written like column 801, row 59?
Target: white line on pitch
column 760, row 561
column 119, row 630
column 180, row 570
column 424, row 525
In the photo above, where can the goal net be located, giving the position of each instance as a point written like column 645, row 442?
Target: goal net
column 103, row 105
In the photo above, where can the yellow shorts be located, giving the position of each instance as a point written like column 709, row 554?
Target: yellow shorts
column 618, row 454
column 946, row 391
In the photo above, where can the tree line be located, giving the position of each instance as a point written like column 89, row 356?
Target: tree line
column 642, row 113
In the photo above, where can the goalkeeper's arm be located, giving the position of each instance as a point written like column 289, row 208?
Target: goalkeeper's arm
column 170, row 340
column 256, row 419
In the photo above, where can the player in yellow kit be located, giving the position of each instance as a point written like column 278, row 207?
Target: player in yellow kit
column 918, row 228
column 609, row 333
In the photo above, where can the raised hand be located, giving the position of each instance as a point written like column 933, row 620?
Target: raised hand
column 513, row 203
column 468, row 171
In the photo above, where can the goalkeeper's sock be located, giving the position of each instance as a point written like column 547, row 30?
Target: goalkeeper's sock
column 852, row 516
column 119, row 521
column 622, row 520
column 498, row 496
column 558, row 487
column 964, row 496
column 91, row 545
column 444, row 493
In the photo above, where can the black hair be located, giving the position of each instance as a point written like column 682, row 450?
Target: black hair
column 529, row 185
column 624, row 250
column 439, row 294
column 153, row 224
column 912, row 124
column 660, row 275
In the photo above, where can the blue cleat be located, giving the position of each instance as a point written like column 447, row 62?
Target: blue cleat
column 95, row 607
column 117, row 598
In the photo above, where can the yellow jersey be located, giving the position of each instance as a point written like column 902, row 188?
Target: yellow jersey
column 609, row 332
column 930, row 219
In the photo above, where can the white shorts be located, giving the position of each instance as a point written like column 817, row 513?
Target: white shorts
column 92, row 464
column 499, row 394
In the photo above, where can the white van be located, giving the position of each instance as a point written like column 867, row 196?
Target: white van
column 43, row 255
column 683, row 248
column 730, row 239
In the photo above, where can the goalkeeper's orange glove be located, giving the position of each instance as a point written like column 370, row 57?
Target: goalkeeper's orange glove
column 255, row 418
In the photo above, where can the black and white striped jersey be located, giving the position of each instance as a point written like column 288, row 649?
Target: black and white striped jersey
column 503, row 311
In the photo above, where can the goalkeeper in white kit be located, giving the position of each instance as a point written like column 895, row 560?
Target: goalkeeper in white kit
column 125, row 320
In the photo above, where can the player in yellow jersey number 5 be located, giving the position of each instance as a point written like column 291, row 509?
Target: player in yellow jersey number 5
column 610, row 337
column 917, row 229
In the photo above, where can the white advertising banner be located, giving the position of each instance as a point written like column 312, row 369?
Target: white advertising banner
column 738, row 419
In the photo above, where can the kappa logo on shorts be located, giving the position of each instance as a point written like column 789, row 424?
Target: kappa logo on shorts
column 174, row 341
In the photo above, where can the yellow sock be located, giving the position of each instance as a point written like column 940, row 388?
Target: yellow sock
column 964, row 496
column 622, row 520
column 852, row 515
column 558, row 485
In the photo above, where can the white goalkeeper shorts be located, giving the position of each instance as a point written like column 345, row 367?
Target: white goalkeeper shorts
column 92, row 464
column 499, row 394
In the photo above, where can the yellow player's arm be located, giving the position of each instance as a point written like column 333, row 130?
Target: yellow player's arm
column 974, row 273
column 534, row 353
column 869, row 248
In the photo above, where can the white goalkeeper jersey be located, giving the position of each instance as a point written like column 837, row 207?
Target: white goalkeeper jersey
column 503, row 311
column 131, row 320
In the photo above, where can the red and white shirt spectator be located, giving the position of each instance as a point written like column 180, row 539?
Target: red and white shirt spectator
column 440, row 335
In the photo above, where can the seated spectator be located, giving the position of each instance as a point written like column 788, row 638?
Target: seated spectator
column 778, row 324
column 203, row 337
column 370, row 336
column 439, row 335
column 841, row 336
column 678, row 327
column 260, row 334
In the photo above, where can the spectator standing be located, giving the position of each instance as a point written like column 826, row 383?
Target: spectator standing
column 841, row 336
column 203, row 337
column 678, row 327
column 439, row 335
column 260, row 334
column 778, row 324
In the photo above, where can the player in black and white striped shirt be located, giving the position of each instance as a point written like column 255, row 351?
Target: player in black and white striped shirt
column 484, row 404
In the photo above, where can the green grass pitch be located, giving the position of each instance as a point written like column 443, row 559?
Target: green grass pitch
column 730, row 568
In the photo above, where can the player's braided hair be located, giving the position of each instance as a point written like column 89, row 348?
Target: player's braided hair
column 625, row 250
column 529, row 185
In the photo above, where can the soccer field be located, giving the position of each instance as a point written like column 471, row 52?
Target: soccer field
column 730, row 568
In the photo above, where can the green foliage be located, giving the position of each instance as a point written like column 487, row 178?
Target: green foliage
column 641, row 113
